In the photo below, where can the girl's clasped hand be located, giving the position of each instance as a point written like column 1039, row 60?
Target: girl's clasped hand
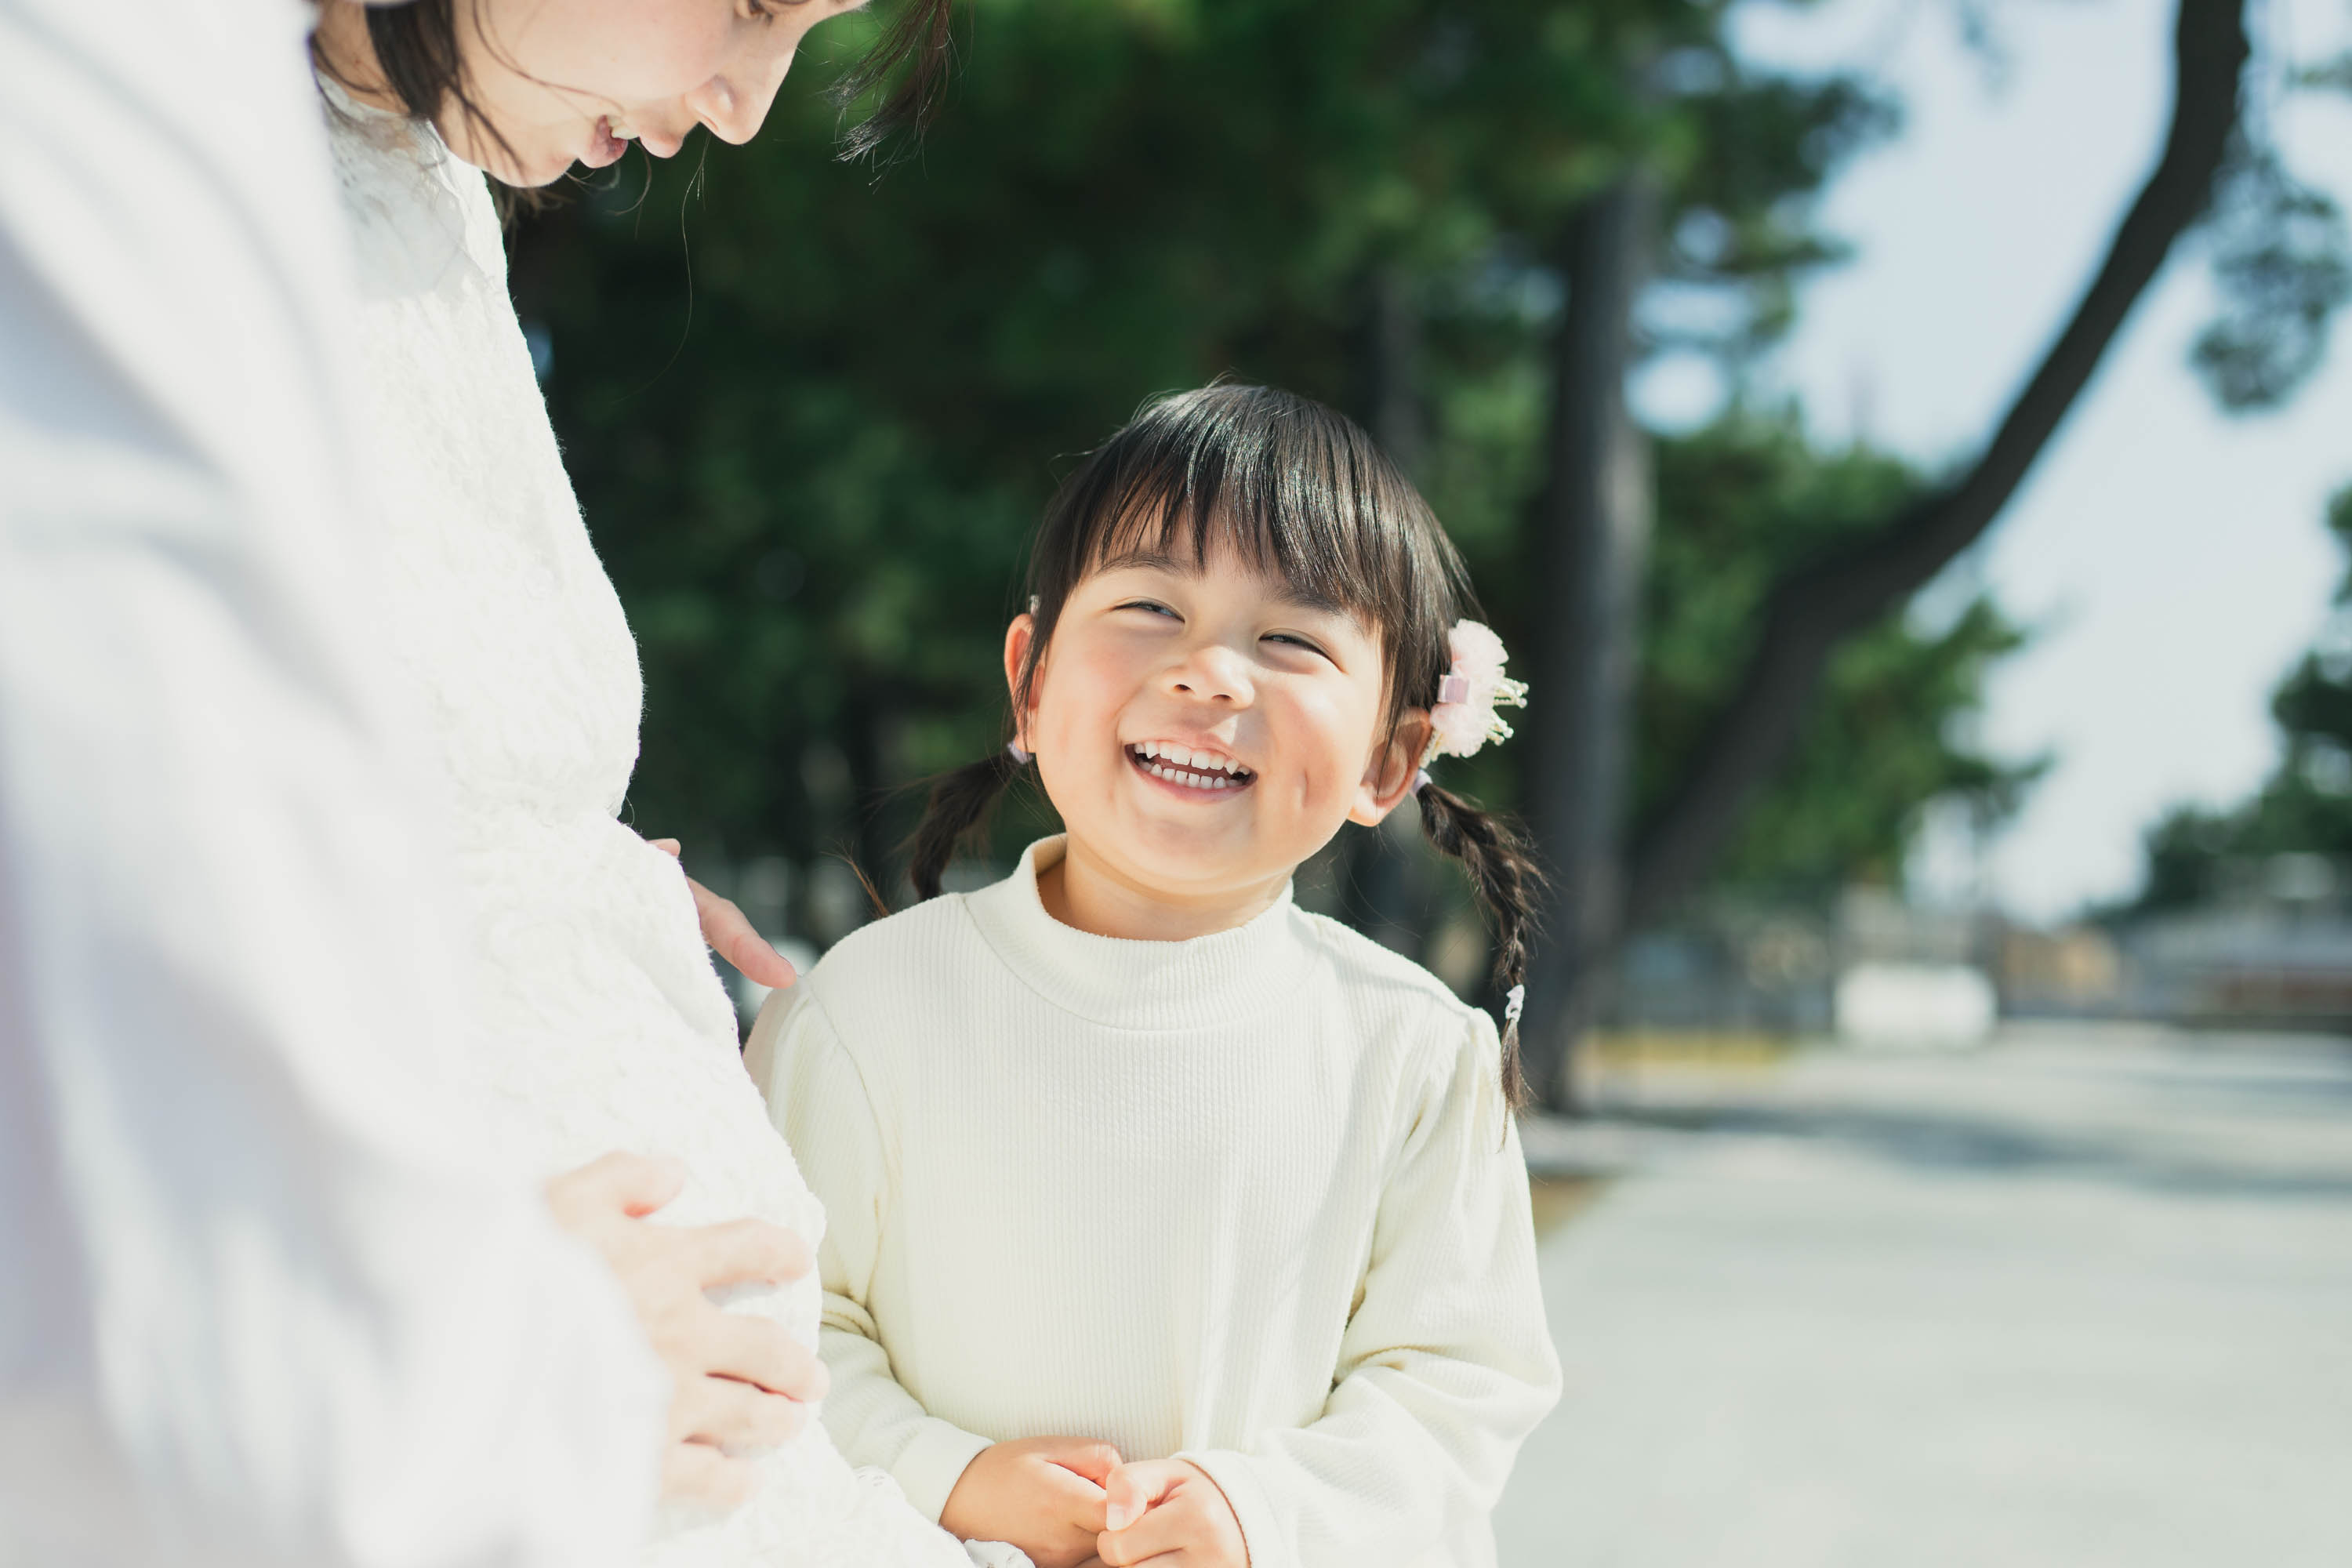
column 1070, row 1501
column 1244, row 632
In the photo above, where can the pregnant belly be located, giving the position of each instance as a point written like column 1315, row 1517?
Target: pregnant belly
column 600, row 1024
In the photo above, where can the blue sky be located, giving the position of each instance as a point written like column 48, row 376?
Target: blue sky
column 2170, row 558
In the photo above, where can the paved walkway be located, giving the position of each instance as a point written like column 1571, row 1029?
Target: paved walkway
column 2083, row 1299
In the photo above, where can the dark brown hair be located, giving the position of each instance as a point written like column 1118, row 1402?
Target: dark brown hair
column 1299, row 490
column 416, row 48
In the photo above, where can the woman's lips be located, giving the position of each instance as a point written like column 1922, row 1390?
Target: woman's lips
column 603, row 148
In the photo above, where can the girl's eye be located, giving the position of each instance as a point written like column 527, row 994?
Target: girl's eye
column 1295, row 641
column 1150, row 608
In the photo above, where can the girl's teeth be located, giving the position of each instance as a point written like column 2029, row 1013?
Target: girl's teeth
column 1184, row 757
column 1176, row 770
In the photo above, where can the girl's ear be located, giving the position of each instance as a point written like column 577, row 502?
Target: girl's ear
column 1017, row 638
column 1388, row 775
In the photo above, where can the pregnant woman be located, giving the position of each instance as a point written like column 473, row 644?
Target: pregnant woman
column 599, row 1022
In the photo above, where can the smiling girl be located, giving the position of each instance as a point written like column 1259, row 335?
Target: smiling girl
column 1167, row 1220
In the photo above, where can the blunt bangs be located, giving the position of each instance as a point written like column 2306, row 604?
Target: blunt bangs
column 1294, row 489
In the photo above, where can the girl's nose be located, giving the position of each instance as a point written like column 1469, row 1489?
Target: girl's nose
column 1213, row 673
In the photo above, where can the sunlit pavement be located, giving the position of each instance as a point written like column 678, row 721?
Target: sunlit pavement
column 2081, row 1299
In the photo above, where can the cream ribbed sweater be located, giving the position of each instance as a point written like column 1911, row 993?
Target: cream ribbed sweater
column 1252, row 1199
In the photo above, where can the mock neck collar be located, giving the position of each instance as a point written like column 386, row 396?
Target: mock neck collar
column 1211, row 980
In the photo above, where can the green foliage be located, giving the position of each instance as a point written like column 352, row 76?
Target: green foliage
column 1738, row 505
column 812, row 411
column 2282, row 266
column 2306, row 805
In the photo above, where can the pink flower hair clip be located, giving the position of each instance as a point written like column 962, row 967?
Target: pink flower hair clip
column 1465, row 719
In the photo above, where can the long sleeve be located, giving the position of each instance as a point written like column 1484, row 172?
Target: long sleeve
column 257, row 1304
column 819, row 1102
column 1445, row 1367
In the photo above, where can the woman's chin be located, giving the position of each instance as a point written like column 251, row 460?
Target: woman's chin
column 542, row 169
column 523, row 167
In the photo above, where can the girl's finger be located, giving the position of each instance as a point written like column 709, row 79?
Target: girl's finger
column 1096, row 1461
column 1160, row 1531
column 1155, row 1479
column 1127, row 1498
column 668, row 847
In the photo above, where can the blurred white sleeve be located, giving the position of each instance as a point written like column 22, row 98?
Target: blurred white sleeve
column 257, row 1303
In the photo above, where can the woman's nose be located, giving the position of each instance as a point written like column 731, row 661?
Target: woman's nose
column 734, row 104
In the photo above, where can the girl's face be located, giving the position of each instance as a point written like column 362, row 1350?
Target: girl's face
column 1202, row 730
column 566, row 81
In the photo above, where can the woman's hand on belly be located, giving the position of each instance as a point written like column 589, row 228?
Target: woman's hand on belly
column 740, row 1382
column 729, row 936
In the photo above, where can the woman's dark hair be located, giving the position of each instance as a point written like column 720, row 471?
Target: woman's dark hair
column 417, row 46
column 1299, row 490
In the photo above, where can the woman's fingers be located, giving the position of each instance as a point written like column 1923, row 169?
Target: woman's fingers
column 697, row 1472
column 733, row 938
column 729, row 935
column 618, row 1184
column 757, row 1351
column 745, row 1251
column 735, row 1416
column 737, row 1380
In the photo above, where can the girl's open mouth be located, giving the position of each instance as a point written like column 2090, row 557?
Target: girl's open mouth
column 1187, row 768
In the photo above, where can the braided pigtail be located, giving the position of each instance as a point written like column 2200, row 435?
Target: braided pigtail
column 1509, row 882
column 959, row 807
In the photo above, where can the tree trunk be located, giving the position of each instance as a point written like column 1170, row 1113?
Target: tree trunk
column 1820, row 603
column 1592, row 523
column 1386, row 887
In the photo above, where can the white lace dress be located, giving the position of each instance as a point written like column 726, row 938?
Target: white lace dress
column 602, row 1025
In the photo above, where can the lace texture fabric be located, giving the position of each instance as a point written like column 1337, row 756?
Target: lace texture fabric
column 598, row 1021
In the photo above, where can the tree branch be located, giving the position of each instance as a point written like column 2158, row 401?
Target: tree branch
column 1809, row 612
